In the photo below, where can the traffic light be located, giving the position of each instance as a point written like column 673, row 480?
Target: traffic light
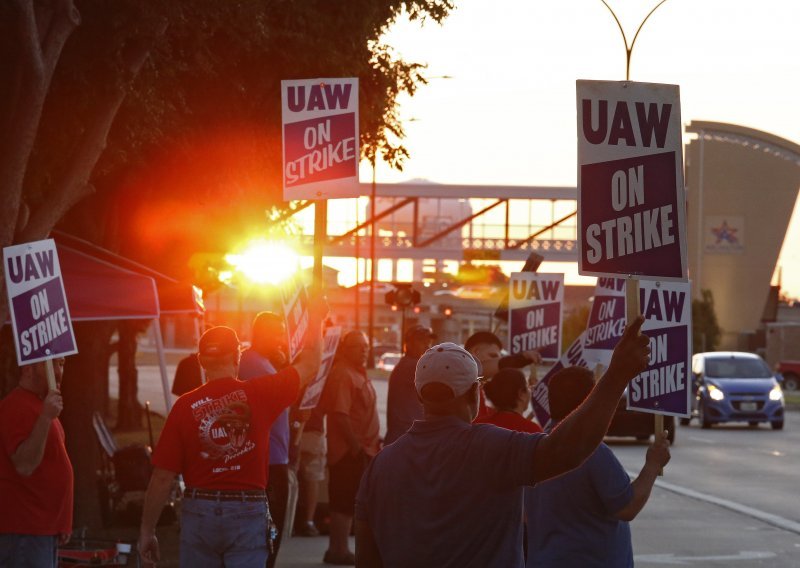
column 403, row 295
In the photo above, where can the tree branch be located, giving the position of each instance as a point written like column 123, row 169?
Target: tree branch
column 75, row 184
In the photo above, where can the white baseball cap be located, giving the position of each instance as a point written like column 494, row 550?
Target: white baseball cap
column 447, row 364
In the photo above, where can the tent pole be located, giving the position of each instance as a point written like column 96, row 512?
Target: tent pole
column 162, row 363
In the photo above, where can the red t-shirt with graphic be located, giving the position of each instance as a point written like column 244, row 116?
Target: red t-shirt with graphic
column 217, row 435
column 40, row 504
column 509, row 421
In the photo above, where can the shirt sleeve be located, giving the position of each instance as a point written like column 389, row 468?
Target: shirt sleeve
column 514, row 361
column 610, row 480
column 168, row 454
column 512, row 454
column 281, row 389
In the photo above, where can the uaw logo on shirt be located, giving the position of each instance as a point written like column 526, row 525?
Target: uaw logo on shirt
column 724, row 235
column 224, row 425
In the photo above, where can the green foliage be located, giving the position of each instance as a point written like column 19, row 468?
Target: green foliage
column 193, row 161
column 706, row 332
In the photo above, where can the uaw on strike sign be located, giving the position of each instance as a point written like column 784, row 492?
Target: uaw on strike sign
column 320, row 138
column 535, row 313
column 631, row 204
column 39, row 312
column 664, row 387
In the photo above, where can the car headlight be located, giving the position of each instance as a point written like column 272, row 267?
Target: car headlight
column 715, row 393
column 776, row 393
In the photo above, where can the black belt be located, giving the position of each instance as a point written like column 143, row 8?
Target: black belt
column 227, row 495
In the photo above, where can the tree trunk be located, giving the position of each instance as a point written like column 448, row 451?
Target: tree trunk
column 129, row 411
column 84, row 374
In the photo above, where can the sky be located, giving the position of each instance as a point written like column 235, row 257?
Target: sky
column 506, row 114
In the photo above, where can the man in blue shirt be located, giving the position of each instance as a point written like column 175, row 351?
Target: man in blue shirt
column 449, row 493
column 581, row 518
column 402, row 403
column 268, row 354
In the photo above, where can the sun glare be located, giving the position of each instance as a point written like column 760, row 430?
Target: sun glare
column 264, row 262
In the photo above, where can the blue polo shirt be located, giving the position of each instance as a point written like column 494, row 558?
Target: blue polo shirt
column 571, row 517
column 449, row 494
column 252, row 365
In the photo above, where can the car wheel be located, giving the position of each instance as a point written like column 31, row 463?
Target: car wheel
column 791, row 382
column 685, row 421
column 701, row 415
column 778, row 425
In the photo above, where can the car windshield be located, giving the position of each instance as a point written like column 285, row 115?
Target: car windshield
column 733, row 368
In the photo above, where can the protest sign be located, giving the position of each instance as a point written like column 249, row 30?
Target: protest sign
column 314, row 390
column 606, row 320
column 665, row 386
column 573, row 356
column 320, row 138
column 631, row 197
column 535, row 302
column 295, row 313
column 39, row 312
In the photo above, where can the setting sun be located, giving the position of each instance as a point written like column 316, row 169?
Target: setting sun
column 264, row 262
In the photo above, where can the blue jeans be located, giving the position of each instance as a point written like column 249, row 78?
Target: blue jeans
column 28, row 550
column 223, row 533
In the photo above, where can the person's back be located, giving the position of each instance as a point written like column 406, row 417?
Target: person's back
column 571, row 523
column 402, row 403
column 449, row 493
column 581, row 517
column 461, row 501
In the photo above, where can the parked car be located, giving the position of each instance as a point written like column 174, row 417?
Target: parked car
column 388, row 361
column 639, row 425
column 732, row 386
column 790, row 370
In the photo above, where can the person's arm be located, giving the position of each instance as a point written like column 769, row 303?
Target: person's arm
column 30, row 452
column 657, row 457
column 367, row 553
column 579, row 434
column 519, row 360
column 158, row 491
column 308, row 360
column 342, row 422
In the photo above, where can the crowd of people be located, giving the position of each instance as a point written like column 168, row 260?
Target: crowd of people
column 455, row 482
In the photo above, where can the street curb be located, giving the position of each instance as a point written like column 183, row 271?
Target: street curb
column 769, row 518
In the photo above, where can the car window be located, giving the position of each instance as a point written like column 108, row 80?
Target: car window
column 734, row 368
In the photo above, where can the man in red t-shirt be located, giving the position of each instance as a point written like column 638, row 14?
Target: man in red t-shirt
column 217, row 437
column 35, row 472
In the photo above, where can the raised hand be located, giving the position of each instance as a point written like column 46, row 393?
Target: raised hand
column 631, row 354
column 53, row 404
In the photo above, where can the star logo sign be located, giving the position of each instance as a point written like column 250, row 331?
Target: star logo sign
column 725, row 233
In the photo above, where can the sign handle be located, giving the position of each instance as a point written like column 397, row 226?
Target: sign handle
column 51, row 374
column 320, row 236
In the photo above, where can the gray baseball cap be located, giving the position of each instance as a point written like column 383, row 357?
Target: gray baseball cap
column 447, row 364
